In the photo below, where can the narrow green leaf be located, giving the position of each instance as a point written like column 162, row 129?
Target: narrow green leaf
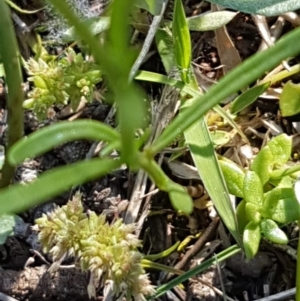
column 203, row 153
column 251, row 239
column 19, row 197
column 182, row 41
column 47, row 138
column 164, row 43
column 247, row 98
column 152, row 6
column 210, row 21
column 196, row 270
column 238, row 78
column 273, row 233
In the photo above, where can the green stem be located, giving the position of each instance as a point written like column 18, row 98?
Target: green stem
column 245, row 74
column 111, row 58
column 11, row 62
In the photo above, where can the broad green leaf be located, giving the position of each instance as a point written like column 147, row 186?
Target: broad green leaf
column 281, row 148
column 258, row 7
column 47, row 138
column 242, row 218
column 202, row 150
column 272, row 232
column 253, row 189
column 18, row 198
column 234, row 177
column 152, row 6
column 247, row 98
column 281, row 205
column 210, row 21
column 251, row 239
column 263, row 164
column 289, row 99
column 7, row 224
column 252, row 213
column 182, row 41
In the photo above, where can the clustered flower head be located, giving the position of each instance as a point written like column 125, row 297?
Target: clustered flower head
column 60, row 81
column 108, row 251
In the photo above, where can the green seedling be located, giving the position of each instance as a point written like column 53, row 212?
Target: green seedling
column 265, row 206
column 60, row 81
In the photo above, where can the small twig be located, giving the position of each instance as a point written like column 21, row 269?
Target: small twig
column 210, row 230
column 263, row 29
column 148, row 40
column 38, row 254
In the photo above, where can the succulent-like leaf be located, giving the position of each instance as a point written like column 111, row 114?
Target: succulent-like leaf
column 253, row 189
column 234, row 177
column 289, row 99
column 281, row 205
column 281, row 148
column 252, row 213
column 251, row 239
column 263, row 164
column 273, row 233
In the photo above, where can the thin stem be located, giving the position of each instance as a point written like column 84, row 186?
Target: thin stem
column 11, row 61
column 111, row 58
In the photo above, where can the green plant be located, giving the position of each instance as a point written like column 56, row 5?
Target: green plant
column 60, row 81
column 267, row 191
column 128, row 98
column 108, row 251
